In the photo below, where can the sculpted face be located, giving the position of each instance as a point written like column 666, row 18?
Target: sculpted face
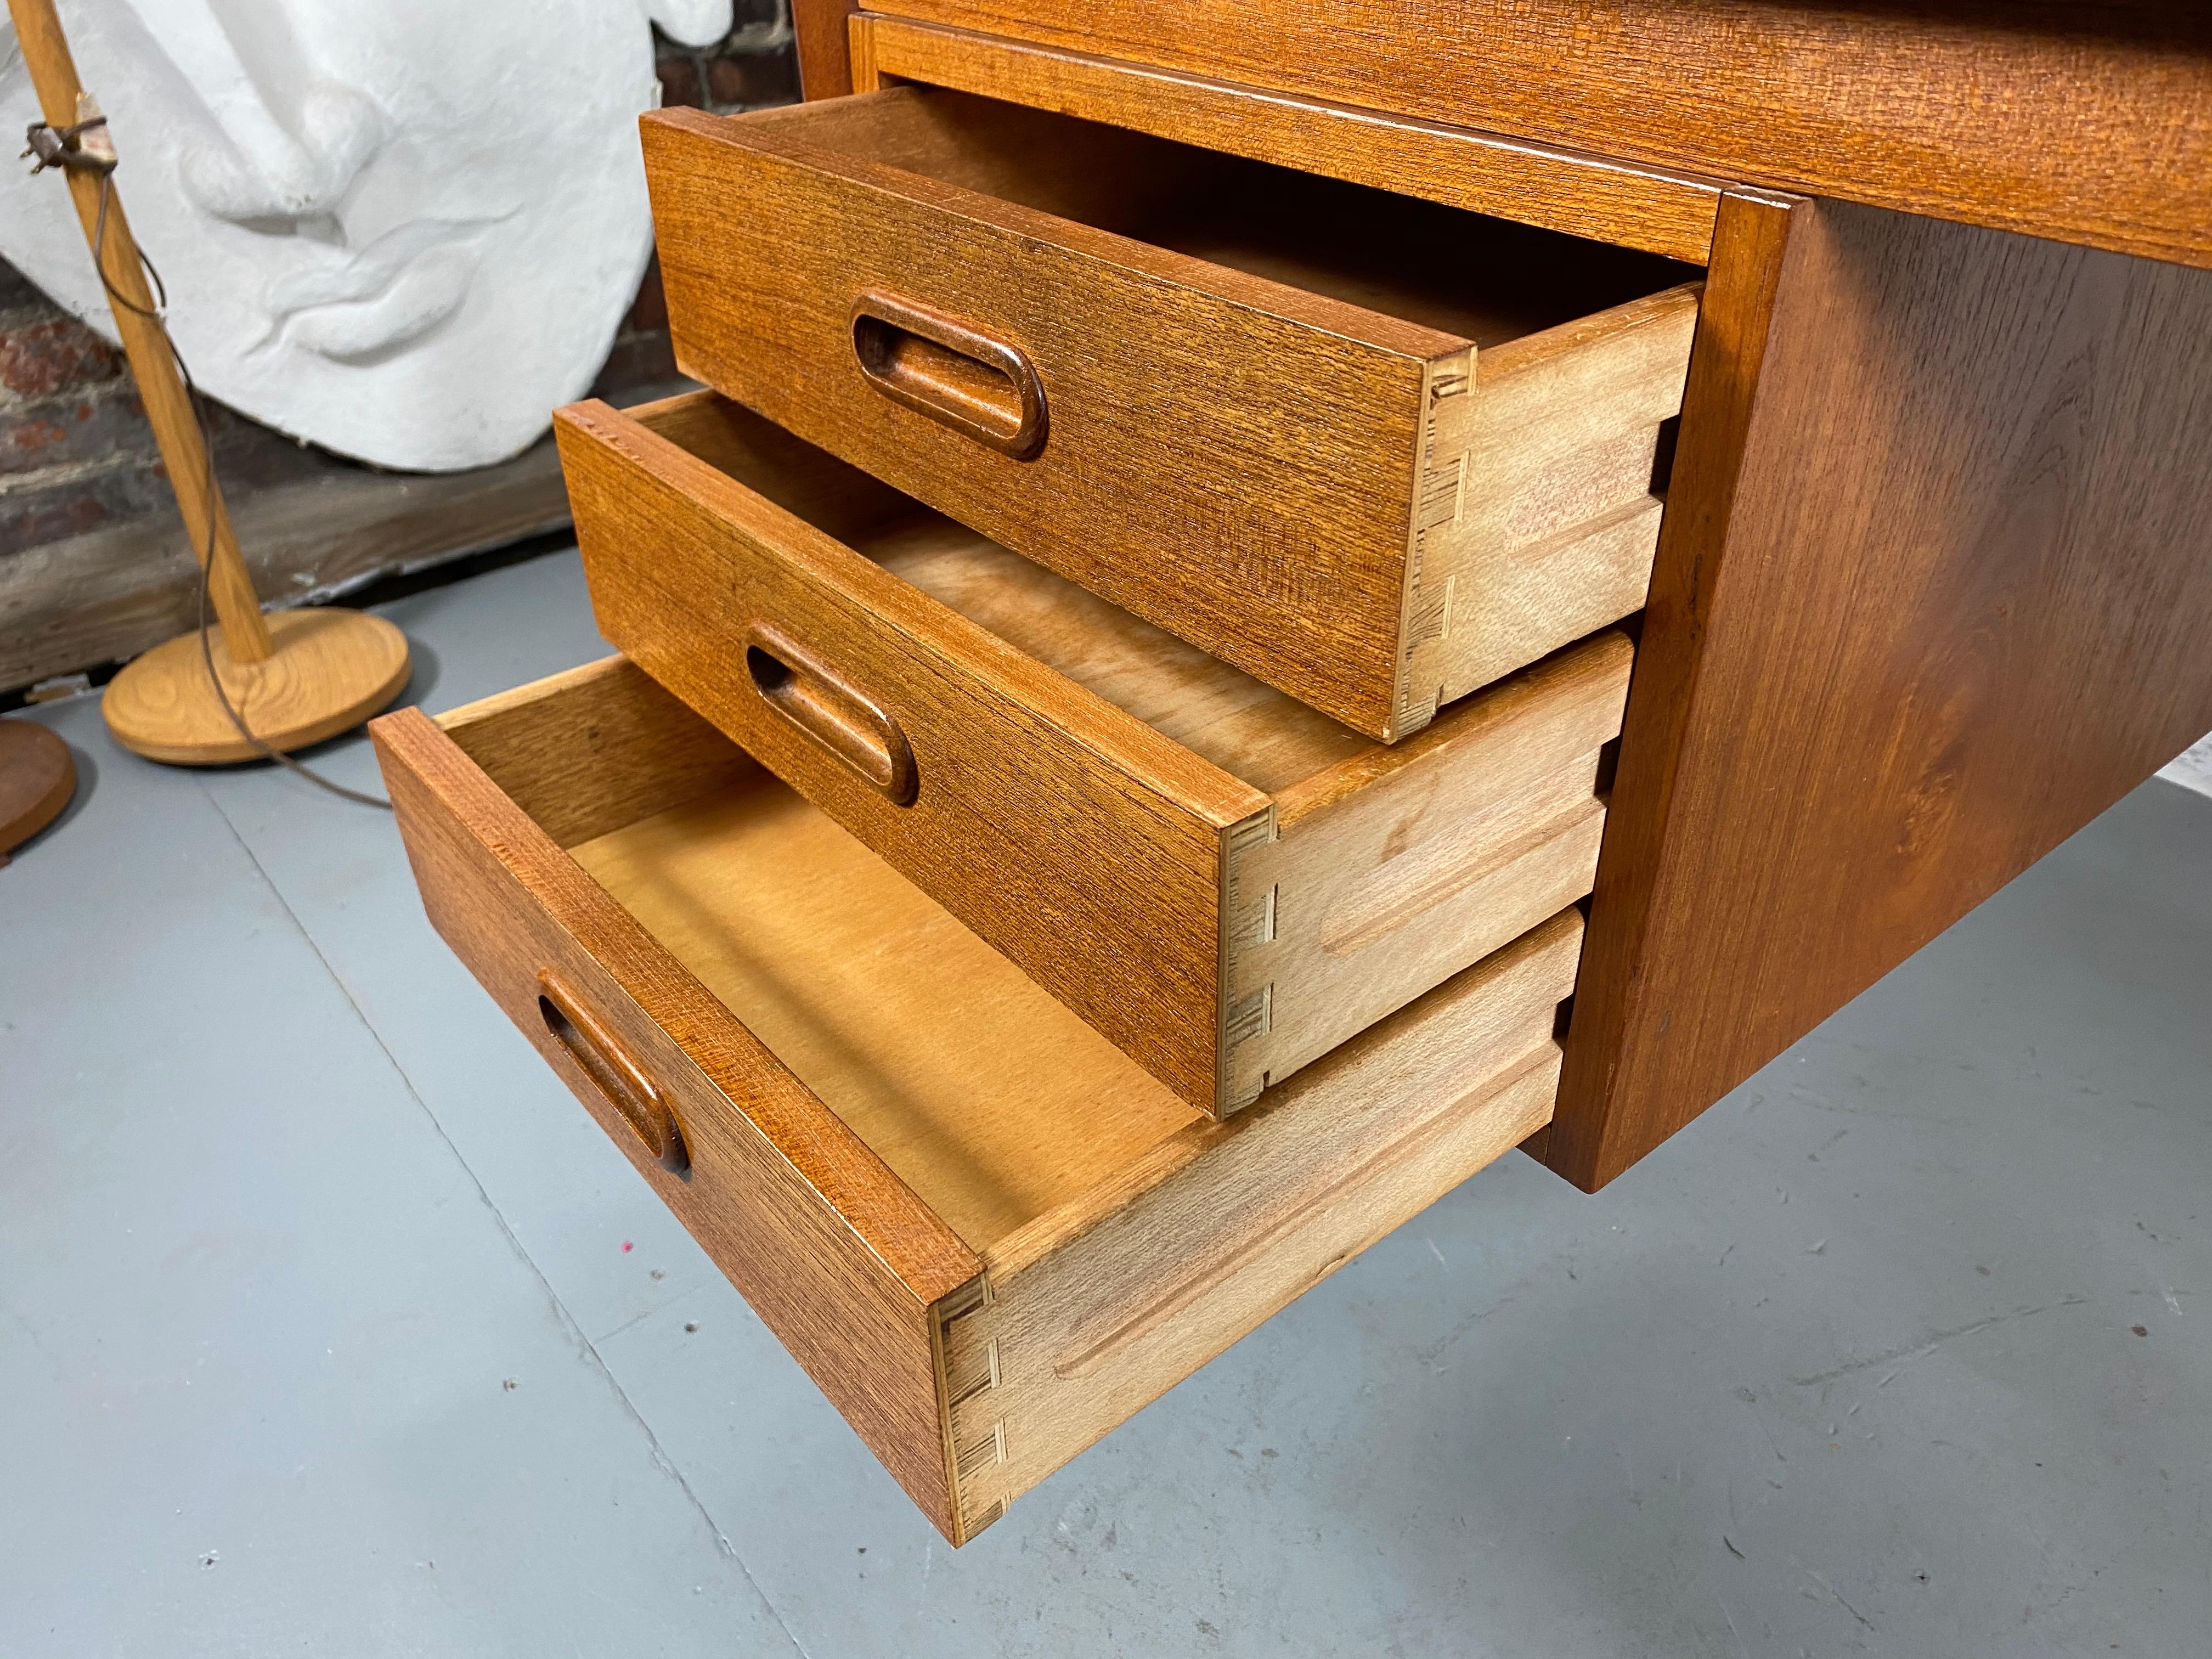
column 405, row 230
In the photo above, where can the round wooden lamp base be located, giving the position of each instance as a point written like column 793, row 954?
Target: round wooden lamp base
column 330, row 671
column 37, row 779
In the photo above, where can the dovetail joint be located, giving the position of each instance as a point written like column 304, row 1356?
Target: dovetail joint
column 1430, row 617
column 984, row 1451
column 986, row 1378
column 975, row 1293
column 1443, row 489
column 1255, row 831
column 1252, row 1016
column 1254, row 924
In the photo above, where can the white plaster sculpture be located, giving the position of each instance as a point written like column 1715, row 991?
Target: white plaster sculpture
column 404, row 229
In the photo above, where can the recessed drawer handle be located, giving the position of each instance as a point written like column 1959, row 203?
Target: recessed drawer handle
column 599, row 1053
column 981, row 388
column 834, row 712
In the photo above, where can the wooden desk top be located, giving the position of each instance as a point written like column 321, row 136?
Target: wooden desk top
column 2083, row 123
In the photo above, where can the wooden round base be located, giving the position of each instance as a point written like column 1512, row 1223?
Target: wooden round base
column 37, row 778
column 331, row 670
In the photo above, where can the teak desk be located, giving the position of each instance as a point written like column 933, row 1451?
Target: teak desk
column 1932, row 588
column 1200, row 601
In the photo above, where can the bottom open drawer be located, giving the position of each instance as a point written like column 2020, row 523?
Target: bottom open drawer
column 986, row 1233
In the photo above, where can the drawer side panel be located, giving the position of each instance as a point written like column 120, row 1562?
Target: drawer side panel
column 1079, row 1334
column 1541, row 495
column 1395, row 870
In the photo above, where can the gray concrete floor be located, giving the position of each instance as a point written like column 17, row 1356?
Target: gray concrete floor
column 330, row 1324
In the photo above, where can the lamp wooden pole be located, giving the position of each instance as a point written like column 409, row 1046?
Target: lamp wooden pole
column 295, row 679
column 168, row 410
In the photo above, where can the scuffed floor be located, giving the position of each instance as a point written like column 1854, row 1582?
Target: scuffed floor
column 330, row 1324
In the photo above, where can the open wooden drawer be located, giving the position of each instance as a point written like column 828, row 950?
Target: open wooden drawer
column 1375, row 450
column 986, row 1234
column 1222, row 881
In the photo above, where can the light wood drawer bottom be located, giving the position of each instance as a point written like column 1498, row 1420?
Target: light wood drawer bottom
column 986, row 1233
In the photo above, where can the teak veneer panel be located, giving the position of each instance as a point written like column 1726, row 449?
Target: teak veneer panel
column 1583, row 194
column 1222, row 881
column 2086, row 123
column 1934, row 591
column 1287, row 415
column 986, row 1235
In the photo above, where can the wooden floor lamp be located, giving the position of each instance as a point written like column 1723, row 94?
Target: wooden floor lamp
column 291, row 680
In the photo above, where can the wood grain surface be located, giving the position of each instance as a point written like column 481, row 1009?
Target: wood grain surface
column 1542, row 490
column 1585, row 195
column 821, row 27
column 1170, row 384
column 1395, row 868
column 2084, row 122
column 38, row 778
column 991, row 1101
column 1220, row 713
column 1934, row 591
column 1246, row 370
column 925, row 1107
column 1095, row 797
column 1096, row 1311
column 591, row 750
column 1076, row 838
column 324, row 670
column 834, row 1252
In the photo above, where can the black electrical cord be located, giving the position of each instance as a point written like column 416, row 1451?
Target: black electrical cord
column 206, row 557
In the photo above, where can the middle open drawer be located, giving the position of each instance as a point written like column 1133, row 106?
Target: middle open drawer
column 1224, row 883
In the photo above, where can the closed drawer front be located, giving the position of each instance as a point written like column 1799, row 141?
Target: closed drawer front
column 1375, row 452
column 987, row 1235
column 1224, row 882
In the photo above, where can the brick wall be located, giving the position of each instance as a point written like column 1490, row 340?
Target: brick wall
column 76, row 453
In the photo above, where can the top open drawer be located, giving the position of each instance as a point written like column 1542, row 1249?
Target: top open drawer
column 1375, row 452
